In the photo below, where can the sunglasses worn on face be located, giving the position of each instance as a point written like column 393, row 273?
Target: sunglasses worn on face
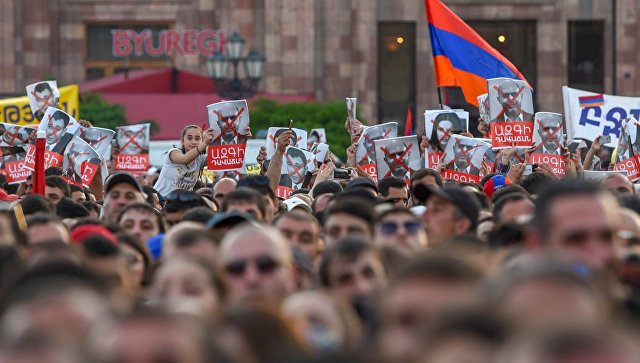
column 264, row 264
column 389, row 228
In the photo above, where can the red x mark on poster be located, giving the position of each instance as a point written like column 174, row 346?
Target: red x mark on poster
column 511, row 101
column 296, row 171
column 45, row 100
column 397, row 160
column 51, row 127
column 445, row 133
column 368, row 139
column 228, row 121
column 83, row 135
column 464, row 153
column 132, row 139
column 550, row 135
column 16, row 136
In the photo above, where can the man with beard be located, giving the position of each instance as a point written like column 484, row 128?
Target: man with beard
column 398, row 163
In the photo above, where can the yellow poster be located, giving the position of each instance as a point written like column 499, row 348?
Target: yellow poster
column 17, row 111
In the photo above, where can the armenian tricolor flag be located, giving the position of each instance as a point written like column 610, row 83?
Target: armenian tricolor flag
column 461, row 57
column 591, row 101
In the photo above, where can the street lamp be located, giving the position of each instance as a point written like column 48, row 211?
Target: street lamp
column 233, row 87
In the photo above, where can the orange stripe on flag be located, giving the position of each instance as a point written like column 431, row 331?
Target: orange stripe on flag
column 471, row 84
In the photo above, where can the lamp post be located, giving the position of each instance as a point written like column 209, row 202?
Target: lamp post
column 234, row 87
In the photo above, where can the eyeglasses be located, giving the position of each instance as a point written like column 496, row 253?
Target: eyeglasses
column 264, row 264
column 183, row 196
column 389, row 228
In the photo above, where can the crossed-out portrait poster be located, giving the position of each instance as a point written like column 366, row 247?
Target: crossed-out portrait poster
column 133, row 147
column 229, row 121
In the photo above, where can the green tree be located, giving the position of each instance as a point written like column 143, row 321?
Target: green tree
column 101, row 113
column 306, row 115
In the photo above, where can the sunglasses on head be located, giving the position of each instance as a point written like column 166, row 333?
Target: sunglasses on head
column 264, row 264
column 182, row 196
column 389, row 228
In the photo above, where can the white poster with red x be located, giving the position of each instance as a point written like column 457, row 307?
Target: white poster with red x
column 296, row 165
column 549, row 140
column 42, row 95
column 464, row 159
column 483, row 107
column 366, row 148
column 298, row 139
column 352, row 107
column 399, row 157
column 627, row 153
column 316, row 136
column 98, row 137
column 229, row 121
column 59, row 128
column 15, row 136
column 80, row 163
column 511, row 113
column 133, row 146
column 439, row 125
column 320, row 152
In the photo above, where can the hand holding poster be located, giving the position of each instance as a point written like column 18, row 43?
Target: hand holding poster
column 549, row 142
column 59, row 128
column 439, row 125
column 626, row 156
column 298, row 139
column 398, row 157
column 295, row 167
column 133, row 147
column 316, row 136
column 352, row 107
column 464, row 159
column 229, row 121
column 80, row 163
column 99, row 138
column 511, row 113
column 42, row 95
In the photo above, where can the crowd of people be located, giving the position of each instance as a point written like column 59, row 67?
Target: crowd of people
column 519, row 268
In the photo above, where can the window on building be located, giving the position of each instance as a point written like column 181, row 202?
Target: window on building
column 99, row 58
column 585, row 68
column 396, row 71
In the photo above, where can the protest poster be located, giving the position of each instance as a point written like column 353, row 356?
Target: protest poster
column 229, row 121
column 510, row 112
column 549, row 141
column 316, row 136
column 13, row 167
column 626, row 156
column 80, row 163
column 366, row 148
column 297, row 164
column 320, row 152
column 42, row 95
column 399, row 157
column 133, row 148
column 464, row 159
column 299, row 139
column 59, row 128
column 14, row 136
column 352, row 108
column 17, row 111
column 439, row 125
column 589, row 115
column 483, row 108
column 98, row 137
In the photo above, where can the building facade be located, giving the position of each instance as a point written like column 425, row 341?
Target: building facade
column 375, row 50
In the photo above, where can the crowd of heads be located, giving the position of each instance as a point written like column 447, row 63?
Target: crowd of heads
column 425, row 271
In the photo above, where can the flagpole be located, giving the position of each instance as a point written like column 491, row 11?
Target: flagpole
column 440, row 98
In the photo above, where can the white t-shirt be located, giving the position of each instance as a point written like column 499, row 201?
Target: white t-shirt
column 179, row 176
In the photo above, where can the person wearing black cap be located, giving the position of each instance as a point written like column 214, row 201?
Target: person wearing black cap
column 120, row 190
column 451, row 211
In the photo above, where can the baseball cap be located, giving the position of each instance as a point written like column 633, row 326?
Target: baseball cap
column 463, row 200
column 121, row 177
column 81, row 233
column 361, row 182
column 294, row 202
column 493, row 184
column 229, row 219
